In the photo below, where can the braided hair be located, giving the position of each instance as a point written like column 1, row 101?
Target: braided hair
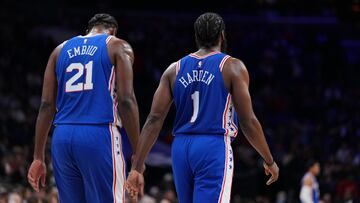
column 208, row 28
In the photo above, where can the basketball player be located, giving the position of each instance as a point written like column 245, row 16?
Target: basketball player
column 310, row 192
column 79, row 89
column 210, row 92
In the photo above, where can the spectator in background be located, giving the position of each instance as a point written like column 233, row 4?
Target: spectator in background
column 310, row 192
column 347, row 188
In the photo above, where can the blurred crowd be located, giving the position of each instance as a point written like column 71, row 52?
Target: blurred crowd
column 304, row 85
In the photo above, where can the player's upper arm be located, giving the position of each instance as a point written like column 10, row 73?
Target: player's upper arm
column 163, row 97
column 236, row 80
column 50, row 82
column 128, row 51
column 122, row 57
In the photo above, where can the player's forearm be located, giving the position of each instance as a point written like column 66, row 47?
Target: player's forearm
column 129, row 113
column 149, row 134
column 43, row 124
column 255, row 135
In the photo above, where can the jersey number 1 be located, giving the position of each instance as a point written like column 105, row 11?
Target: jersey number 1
column 80, row 86
column 195, row 98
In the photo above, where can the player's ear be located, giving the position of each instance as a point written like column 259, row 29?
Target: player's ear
column 113, row 31
column 222, row 36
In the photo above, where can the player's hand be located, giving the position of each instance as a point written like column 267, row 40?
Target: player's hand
column 135, row 184
column 37, row 173
column 272, row 170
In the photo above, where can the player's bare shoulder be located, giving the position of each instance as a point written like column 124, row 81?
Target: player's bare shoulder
column 120, row 46
column 234, row 66
column 169, row 74
column 171, row 70
column 234, row 69
column 56, row 52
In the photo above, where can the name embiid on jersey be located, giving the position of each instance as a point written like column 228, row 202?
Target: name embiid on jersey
column 86, row 92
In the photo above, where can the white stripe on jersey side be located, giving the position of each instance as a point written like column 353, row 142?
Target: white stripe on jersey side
column 118, row 165
column 111, row 77
column 116, row 118
column 228, row 118
column 223, row 62
column 111, row 90
column 225, row 192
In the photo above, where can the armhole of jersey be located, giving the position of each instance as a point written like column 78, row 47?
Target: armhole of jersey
column 106, row 50
column 177, row 66
column 57, row 58
column 63, row 43
column 108, row 39
column 177, row 69
column 221, row 66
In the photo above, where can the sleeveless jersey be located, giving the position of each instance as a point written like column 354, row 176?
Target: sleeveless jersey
column 203, row 104
column 86, row 81
column 315, row 192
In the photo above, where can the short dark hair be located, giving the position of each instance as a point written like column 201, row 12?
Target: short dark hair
column 208, row 28
column 102, row 19
column 310, row 163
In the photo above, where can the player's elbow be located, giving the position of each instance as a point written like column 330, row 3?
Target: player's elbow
column 126, row 102
column 154, row 118
column 248, row 123
column 47, row 106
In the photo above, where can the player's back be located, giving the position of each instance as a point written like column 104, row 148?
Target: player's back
column 203, row 104
column 85, row 78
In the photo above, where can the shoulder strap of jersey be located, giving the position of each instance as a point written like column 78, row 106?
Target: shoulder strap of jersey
column 108, row 39
column 177, row 66
column 221, row 66
column 179, row 63
column 63, row 43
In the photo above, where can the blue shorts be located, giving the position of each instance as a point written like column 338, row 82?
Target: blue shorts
column 88, row 163
column 203, row 168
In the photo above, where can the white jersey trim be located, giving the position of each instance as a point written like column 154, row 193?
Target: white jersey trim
column 194, row 55
column 63, row 43
column 108, row 39
column 177, row 66
column 221, row 66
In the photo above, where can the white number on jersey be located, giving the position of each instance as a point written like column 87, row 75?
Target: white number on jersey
column 80, row 86
column 195, row 98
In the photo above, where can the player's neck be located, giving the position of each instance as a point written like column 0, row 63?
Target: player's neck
column 205, row 51
column 97, row 31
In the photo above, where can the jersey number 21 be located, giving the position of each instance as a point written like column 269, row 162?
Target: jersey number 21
column 80, row 86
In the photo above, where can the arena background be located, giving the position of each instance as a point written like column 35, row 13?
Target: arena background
column 303, row 58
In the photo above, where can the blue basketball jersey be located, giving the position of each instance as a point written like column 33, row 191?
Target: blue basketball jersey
column 86, row 81
column 203, row 104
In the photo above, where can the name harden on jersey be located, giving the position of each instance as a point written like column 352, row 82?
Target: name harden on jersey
column 197, row 76
column 82, row 50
